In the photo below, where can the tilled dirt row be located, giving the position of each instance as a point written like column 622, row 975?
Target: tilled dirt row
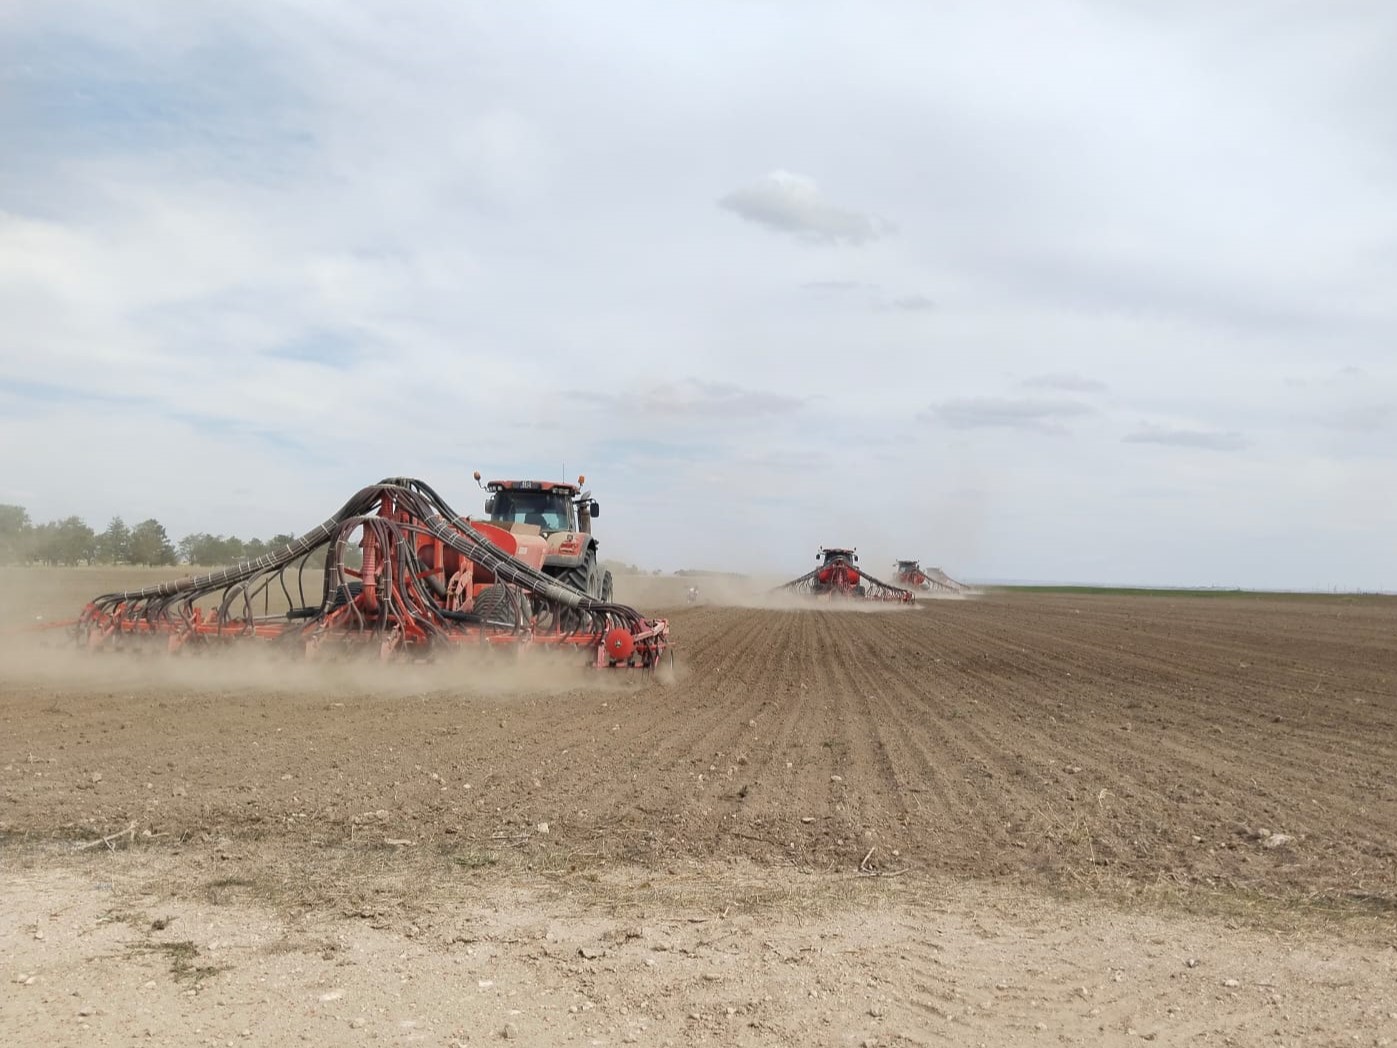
column 1209, row 742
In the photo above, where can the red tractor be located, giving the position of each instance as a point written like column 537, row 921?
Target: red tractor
column 426, row 580
column 909, row 573
column 839, row 576
column 561, row 515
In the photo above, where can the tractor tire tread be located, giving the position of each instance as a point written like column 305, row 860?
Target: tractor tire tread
column 496, row 604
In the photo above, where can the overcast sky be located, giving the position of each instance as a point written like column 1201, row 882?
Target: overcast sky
column 1071, row 291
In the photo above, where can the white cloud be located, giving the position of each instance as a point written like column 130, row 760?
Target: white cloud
column 1207, row 440
column 1023, row 413
column 789, row 203
column 1068, row 382
column 696, row 399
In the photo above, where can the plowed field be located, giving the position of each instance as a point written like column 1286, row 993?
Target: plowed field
column 1219, row 742
column 831, row 827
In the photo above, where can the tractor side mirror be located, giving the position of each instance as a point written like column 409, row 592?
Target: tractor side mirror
column 490, row 505
column 594, row 510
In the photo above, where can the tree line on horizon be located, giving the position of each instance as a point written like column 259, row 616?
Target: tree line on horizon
column 72, row 541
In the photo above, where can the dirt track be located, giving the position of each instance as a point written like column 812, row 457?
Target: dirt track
column 1203, row 752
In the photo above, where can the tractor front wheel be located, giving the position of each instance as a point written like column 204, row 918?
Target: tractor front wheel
column 587, row 578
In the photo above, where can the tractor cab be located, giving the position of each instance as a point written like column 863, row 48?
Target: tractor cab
column 831, row 554
column 547, row 505
column 559, row 517
column 907, row 567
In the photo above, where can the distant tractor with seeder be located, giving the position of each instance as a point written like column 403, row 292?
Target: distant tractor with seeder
column 840, row 577
column 910, row 573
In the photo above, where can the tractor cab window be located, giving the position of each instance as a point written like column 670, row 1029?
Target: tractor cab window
column 551, row 511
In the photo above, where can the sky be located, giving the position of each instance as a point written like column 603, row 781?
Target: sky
column 1076, row 291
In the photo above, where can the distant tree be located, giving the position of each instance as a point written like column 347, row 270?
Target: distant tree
column 67, row 541
column 71, row 541
column 14, row 520
column 114, row 544
column 212, row 550
column 279, row 541
column 15, row 531
column 150, row 545
column 40, row 545
column 187, row 547
column 200, row 548
column 77, row 541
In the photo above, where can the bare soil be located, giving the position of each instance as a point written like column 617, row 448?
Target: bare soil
column 944, row 824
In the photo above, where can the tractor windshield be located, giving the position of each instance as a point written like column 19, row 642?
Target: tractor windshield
column 551, row 511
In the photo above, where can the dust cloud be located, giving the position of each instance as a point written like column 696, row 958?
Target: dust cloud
column 37, row 648
column 52, row 659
